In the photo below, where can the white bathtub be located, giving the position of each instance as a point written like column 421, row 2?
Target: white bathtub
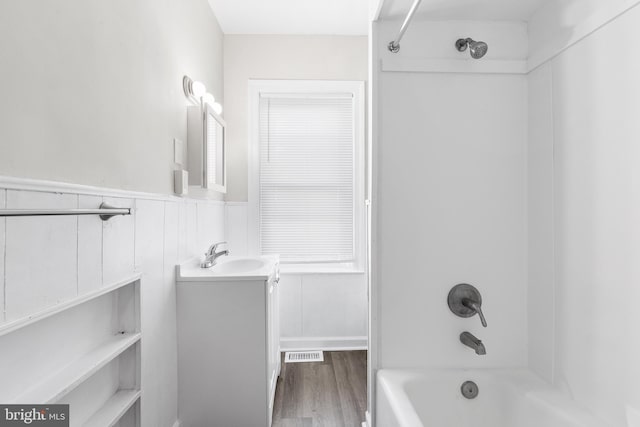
column 514, row 398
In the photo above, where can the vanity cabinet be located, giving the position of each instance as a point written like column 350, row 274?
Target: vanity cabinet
column 228, row 348
column 273, row 343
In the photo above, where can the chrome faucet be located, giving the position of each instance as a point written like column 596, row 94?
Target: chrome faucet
column 469, row 340
column 212, row 255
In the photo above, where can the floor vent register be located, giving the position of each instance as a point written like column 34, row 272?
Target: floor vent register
column 303, row 356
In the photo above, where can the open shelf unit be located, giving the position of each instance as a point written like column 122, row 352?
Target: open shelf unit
column 114, row 409
column 54, row 388
column 84, row 352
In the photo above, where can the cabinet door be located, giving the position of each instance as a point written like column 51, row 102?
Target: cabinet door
column 275, row 326
column 273, row 342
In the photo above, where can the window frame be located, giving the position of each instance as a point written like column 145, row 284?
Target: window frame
column 317, row 88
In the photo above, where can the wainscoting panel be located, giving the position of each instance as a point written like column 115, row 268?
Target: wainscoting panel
column 118, row 242
column 41, row 254
column 89, row 246
column 317, row 310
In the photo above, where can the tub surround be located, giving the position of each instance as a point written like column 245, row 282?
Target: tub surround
column 467, row 217
column 565, row 224
column 586, row 242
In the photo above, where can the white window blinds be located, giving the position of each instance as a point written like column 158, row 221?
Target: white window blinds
column 307, row 177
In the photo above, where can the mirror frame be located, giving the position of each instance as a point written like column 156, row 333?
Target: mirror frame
column 208, row 114
column 198, row 118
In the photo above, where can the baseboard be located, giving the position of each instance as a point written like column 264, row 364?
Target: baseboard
column 323, row 343
column 177, row 423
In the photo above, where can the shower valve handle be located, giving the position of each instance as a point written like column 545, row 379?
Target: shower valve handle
column 465, row 300
column 473, row 305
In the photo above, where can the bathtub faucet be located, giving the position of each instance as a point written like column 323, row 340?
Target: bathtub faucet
column 469, row 340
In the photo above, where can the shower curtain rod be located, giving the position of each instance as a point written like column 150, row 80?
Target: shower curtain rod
column 394, row 46
column 105, row 211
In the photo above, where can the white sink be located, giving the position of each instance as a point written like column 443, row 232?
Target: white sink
column 229, row 268
column 235, row 266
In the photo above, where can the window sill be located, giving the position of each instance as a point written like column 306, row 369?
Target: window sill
column 319, row 269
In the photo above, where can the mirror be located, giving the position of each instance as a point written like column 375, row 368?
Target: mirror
column 206, row 149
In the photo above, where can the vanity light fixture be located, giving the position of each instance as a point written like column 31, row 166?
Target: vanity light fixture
column 193, row 89
column 198, row 89
column 197, row 93
column 209, row 99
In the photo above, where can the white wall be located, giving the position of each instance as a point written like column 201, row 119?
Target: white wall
column 92, row 90
column 450, row 202
column 592, row 91
column 51, row 260
column 278, row 57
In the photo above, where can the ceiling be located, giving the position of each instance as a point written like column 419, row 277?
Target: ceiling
column 350, row 17
column 335, row 17
column 490, row 10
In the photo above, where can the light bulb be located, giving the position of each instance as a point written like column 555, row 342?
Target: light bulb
column 209, row 99
column 217, row 108
column 198, row 89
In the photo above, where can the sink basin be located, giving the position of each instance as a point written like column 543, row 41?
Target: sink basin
column 236, row 266
column 229, row 268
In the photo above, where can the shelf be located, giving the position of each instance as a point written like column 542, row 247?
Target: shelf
column 486, row 66
column 59, row 308
column 113, row 409
column 56, row 386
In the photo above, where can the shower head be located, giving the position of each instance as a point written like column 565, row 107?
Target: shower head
column 476, row 49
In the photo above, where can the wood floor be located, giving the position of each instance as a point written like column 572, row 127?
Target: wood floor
column 332, row 393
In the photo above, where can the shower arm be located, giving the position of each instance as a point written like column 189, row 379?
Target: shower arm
column 394, row 46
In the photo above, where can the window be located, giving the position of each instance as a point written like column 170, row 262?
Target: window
column 307, row 171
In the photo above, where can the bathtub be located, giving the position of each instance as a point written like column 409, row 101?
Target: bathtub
column 513, row 398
